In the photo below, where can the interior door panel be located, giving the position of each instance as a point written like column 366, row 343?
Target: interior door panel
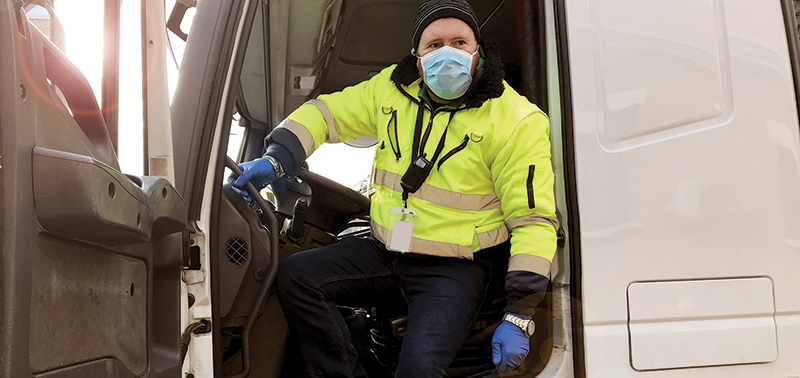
column 91, row 258
column 243, row 256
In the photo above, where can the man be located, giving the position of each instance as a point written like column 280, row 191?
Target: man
column 462, row 163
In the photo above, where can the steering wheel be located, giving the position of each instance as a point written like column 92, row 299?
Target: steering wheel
column 334, row 205
column 249, row 187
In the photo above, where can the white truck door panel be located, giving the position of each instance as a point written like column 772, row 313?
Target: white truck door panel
column 686, row 158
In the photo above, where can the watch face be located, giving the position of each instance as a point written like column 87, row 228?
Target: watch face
column 530, row 328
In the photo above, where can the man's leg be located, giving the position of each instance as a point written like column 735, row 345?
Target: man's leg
column 444, row 296
column 311, row 283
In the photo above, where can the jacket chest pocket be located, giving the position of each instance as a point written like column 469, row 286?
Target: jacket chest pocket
column 388, row 129
column 478, row 139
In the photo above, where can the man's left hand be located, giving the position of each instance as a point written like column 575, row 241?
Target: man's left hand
column 509, row 347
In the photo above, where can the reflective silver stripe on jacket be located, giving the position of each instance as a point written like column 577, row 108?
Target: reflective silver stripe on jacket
column 530, row 263
column 333, row 134
column 487, row 239
column 531, row 219
column 302, row 133
column 493, row 237
column 439, row 196
column 427, row 247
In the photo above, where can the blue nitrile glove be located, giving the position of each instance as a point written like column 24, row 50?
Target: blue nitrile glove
column 260, row 172
column 509, row 347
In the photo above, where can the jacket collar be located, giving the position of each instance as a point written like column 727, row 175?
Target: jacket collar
column 488, row 82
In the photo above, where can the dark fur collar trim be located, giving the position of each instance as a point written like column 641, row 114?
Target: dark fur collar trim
column 487, row 85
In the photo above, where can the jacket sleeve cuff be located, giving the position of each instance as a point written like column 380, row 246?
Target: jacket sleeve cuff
column 283, row 153
column 524, row 290
column 289, row 141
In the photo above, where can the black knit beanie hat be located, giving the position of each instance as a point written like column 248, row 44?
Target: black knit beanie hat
column 432, row 10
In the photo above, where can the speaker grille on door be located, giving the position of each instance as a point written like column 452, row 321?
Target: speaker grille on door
column 236, row 249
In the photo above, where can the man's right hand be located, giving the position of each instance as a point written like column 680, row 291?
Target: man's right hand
column 260, row 172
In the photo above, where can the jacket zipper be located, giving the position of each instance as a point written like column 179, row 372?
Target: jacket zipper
column 529, row 186
column 427, row 134
column 393, row 120
column 455, row 150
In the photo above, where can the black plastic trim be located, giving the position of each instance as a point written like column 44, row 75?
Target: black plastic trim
column 533, row 50
column 213, row 109
column 198, row 95
column 272, row 226
column 235, row 13
column 790, row 22
column 573, row 221
column 542, row 54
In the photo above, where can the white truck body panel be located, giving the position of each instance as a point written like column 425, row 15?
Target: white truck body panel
column 686, row 156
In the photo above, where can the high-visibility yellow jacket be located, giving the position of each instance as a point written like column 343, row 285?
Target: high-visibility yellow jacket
column 493, row 178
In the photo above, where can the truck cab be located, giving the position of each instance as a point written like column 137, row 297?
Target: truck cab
column 675, row 146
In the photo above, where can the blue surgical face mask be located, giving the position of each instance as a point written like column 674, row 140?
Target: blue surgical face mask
column 447, row 71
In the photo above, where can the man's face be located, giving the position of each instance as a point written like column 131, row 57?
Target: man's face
column 448, row 32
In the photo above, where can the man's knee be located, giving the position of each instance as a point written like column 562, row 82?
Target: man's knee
column 291, row 273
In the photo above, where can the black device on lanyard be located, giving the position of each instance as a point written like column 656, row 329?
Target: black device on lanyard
column 416, row 174
column 420, row 166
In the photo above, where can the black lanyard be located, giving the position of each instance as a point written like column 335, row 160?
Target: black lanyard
column 420, row 167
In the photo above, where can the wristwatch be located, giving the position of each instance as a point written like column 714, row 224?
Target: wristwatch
column 526, row 325
column 275, row 166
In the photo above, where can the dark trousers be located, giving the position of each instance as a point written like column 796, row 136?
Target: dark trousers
column 443, row 297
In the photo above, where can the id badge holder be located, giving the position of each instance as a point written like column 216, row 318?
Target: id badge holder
column 402, row 223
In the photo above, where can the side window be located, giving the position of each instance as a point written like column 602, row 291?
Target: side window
column 46, row 21
column 76, row 27
column 236, row 138
column 349, row 166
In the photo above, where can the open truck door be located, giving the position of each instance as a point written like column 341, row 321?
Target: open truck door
column 91, row 258
column 685, row 129
column 234, row 245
